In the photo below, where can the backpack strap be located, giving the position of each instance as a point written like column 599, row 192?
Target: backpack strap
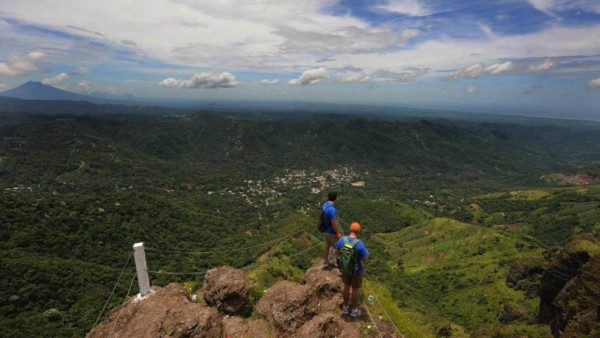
column 351, row 244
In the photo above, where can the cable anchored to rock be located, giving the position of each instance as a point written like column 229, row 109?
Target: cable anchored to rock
column 390, row 318
column 126, row 297
column 113, row 290
column 176, row 273
column 387, row 315
column 372, row 321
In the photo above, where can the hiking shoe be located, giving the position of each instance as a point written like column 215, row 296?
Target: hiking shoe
column 356, row 313
column 328, row 265
column 345, row 309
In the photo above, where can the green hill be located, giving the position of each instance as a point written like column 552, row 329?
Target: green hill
column 454, row 274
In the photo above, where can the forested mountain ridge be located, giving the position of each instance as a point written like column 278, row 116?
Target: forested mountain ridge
column 133, row 150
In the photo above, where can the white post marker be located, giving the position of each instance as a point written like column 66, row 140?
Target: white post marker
column 141, row 269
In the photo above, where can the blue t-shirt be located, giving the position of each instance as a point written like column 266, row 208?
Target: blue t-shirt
column 361, row 249
column 330, row 214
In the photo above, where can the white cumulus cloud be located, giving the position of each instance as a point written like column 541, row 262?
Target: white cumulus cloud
column 500, row 68
column 267, row 82
column 542, row 67
column 63, row 76
column 595, row 83
column 407, row 7
column 21, row 65
column 55, row 79
column 479, row 69
column 310, row 77
column 356, row 77
column 203, row 80
column 472, row 71
column 473, row 89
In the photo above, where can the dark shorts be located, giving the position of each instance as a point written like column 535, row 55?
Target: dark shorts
column 355, row 281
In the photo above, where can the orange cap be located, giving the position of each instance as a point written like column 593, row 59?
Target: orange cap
column 355, row 227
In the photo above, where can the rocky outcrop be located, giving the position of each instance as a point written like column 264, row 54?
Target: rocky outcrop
column 167, row 312
column 324, row 325
column 577, row 306
column 570, row 290
column 525, row 275
column 286, row 305
column 555, row 278
column 227, row 289
column 326, row 282
column 286, row 309
column 239, row 327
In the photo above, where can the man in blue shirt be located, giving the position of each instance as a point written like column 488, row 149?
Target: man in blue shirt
column 356, row 280
column 332, row 231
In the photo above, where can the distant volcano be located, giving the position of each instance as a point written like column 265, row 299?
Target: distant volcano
column 34, row 90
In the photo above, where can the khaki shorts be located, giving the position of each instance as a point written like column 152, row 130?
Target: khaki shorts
column 354, row 281
column 330, row 239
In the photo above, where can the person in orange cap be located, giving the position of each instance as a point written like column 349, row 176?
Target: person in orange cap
column 352, row 254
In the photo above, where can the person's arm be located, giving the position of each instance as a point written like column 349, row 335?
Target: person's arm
column 336, row 227
column 364, row 252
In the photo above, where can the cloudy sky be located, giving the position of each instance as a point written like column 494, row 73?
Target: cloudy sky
column 536, row 56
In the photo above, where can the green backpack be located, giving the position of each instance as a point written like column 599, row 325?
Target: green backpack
column 348, row 261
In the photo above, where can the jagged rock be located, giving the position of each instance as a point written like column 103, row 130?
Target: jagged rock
column 516, row 272
column 527, row 268
column 167, row 312
column 570, row 290
column 325, row 281
column 328, row 325
column 330, row 304
column 555, row 278
column 226, row 288
column 324, row 326
column 286, row 306
column 578, row 304
column 532, row 289
column 525, row 275
column 511, row 313
column 247, row 328
column 551, row 253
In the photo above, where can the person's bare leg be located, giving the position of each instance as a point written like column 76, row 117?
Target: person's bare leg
column 354, row 300
column 346, row 294
column 326, row 251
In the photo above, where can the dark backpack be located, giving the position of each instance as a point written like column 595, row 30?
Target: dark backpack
column 321, row 224
column 348, row 260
